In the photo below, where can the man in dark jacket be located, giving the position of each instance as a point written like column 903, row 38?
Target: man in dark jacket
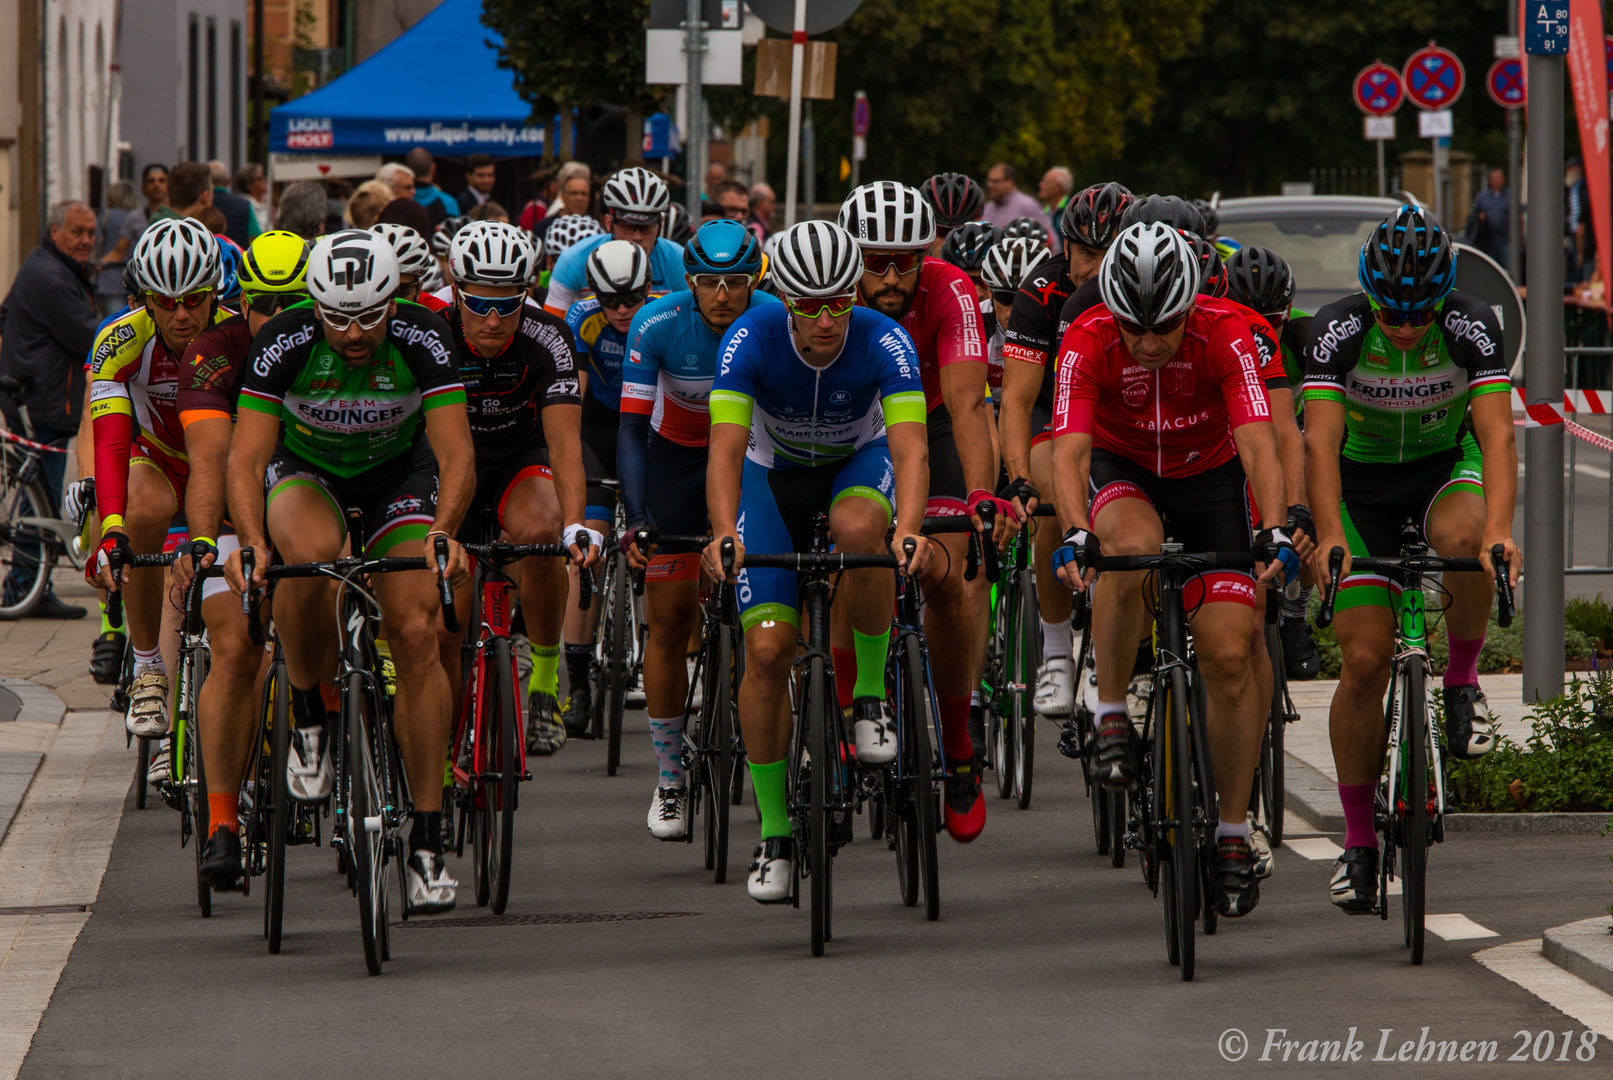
column 240, row 220
column 47, row 325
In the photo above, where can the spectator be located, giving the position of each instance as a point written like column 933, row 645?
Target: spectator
column 241, row 224
column 213, row 220
column 729, row 200
column 537, row 207
column 762, row 204
column 337, row 192
column 364, row 208
column 1005, row 202
column 154, row 186
column 253, row 186
column 438, row 203
column 1576, row 223
column 1054, row 191
column 400, row 178
column 489, row 211
column 716, row 173
column 406, row 212
column 114, row 239
column 190, row 187
column 47, row 325
column 1492, row 213
column 480, row 175
column 302, row 210
column 576, row 192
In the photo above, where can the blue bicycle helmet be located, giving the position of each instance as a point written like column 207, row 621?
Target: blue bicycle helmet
column 229, row 270
column 722, row 247
column 1408, row 263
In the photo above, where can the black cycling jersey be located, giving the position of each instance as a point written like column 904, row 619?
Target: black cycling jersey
column 1032, row 334
column 506, row 394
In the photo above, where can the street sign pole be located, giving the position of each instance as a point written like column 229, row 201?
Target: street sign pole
column 694, row 143
column 1383, row 180
column 859, row 136
column 792, row 166
column 1543, row 367
column 809, row 162
column 1514, row 176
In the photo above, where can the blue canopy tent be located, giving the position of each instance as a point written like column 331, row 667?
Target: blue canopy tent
column 438, row 86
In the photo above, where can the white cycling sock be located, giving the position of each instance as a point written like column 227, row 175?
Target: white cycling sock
column 1056, row 639
column 148, row 661
column 1233, row 830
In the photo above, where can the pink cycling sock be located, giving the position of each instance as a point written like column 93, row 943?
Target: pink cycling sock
column 955, row 742
column 1463, row 669
column 1357, row 800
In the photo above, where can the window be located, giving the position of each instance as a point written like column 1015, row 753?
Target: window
column 212, row 89
column 235, row 93
column 193, row 118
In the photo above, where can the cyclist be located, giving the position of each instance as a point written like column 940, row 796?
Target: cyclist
column 956, row 200
column 563, row 232
column 1260, row 279
column 140, row 463
column 636, row 201
column 415, row 263
column 939, row 307
column 520, row 376
column 1005, row 267
column 965, row 247
column 1031, row 336
column 1408, row 415
column 1029, row 228
column 336, row 409
column 817, row 406
column 272, row 278
column 1149, row 385
column 619, row 277
column 662, row 455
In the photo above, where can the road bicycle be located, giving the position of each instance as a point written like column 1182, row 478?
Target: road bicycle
column 1266, row 795
column 1409, row 809
column 1109, row 812
column 618, row 663
column 33, row 539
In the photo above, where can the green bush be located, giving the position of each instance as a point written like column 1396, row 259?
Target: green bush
column 1566, row 763
column 1593, row 618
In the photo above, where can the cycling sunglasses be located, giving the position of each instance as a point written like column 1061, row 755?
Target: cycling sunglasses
column 1414, row 319
column 270, row 303
column 367, row 320
column 814, row 307
column 504, row 307
column 722, row 282
column 880, row 263
column 1005, row 298
column 1163, row 329
column 193, row 299
column 622, row 299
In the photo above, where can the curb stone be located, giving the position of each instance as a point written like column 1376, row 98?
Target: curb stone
column 17, row 767
column 1583, row 948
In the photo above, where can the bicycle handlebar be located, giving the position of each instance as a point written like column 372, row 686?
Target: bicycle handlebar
column 819, row 562
column 249, row 598
column 1420, row 564
column 117, row 564
column 445, row 591
column 641, row 538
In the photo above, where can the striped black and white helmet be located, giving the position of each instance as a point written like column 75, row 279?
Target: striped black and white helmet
column 568, row 229
column 1150, row 274
column 176, row 256
column 816, row 258
column 1008, row 262
column 413, row 253
column 491, row 253
column 889, row 216
column 352, row 270
column 636, row 196
column 618, row 266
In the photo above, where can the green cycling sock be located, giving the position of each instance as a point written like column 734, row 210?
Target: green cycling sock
column 106, row 624
column 768, row 780
column 871, row 652
column 545, row 670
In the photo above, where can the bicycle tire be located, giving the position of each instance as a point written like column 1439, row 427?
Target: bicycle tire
column 916, row 720
column 1117, row 826
column 1182, row 865
column 1271, row 760
column 195, row 808
column 1022, row 673
column 282, row 813
column 1100, row 816
column 18, row 503
column 1415, row 825
column 814, row 719
column 141, row 781
column 721, row 680
column 1206, row 803
column 617, row 660
column 365, row 839
column 501, row 844
column 1003, row 703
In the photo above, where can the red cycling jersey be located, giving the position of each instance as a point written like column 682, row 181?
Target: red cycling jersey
column 944, row 323
column 1176, row 421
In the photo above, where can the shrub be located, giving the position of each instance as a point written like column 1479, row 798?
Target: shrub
column 1593, row 618
column 1566, row 763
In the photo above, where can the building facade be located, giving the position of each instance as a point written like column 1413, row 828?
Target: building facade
column 184, row 81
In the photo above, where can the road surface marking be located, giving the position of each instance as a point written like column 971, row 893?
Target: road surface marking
column 1520, row 962
column 1315, row 848
column 1457, row 927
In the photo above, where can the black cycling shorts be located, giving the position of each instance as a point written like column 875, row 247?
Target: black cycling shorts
column 397, row 500
column 948, row 492
column 675, row 492
column 599, row 427
column 495, row 481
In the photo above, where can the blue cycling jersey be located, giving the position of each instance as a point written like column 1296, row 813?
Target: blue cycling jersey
column 602, row 348
column 568, row 282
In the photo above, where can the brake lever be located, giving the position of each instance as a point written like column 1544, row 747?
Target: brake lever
column 1335, row 564
column 445, row 591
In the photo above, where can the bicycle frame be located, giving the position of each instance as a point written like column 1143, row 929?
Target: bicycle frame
column 1411, row 640
column 494, row 611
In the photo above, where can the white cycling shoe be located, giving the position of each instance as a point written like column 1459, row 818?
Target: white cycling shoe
column 309, row 775
column 771, row 870
column 148, row 706
column 1055, row 689
column 669, row 813
column 875, row 733
column 431, row 890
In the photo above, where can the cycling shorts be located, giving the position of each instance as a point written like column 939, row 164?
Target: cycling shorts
column 1041, row 424
column 496, row 481
column 675, row 498
column 228, row 544
column 175, row 474
column 1208, row 512
column 1378, row 499
column 397, row 500
column 948, row 493
column 599, row 427
column 776, row 510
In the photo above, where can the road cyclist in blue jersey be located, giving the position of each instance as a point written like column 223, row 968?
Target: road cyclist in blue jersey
column 636, row 202
column 817, row 406
column 661, row 455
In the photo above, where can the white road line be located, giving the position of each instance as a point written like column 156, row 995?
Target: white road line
column 1457, row 927
column 1520, row 962
column 1315, row 848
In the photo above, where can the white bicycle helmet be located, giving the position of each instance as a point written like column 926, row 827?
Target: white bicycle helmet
column 618, row 266
column 568, row 229
column 176, row 256
column 889, row 216
column 816, row 258
column 1150, row 274
column 352, row 271
column 1008, row 262
column 431, row 279
column 636, row 196
column 413, row 253
column 491, row 253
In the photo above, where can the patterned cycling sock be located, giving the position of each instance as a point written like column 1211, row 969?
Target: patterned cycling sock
column 1057, row 639
column 667, row 735
column 145, row 661
column 955, row 742
column 578, row 657
column 768, row 781
column 871, row 652
column 1357, row 801
column 106, row 624
column 1463, row 668
column 224, row 810
column 845, row 675
column 1105, row 708
column 1295, row 608
column 545, row 670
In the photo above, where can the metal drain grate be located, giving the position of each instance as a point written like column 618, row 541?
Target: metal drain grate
column 558, row 918
column 49, row 909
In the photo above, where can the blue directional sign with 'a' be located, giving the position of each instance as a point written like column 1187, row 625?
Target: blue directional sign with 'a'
column 1545, row 27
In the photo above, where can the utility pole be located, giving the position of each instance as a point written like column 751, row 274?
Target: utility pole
column 694, row 141
column 792, row 180
column 1514, row 176
column 260, row 122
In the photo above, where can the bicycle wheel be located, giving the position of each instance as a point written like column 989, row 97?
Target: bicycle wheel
column 616, row 658
column 920, row 767
column 143, row 766
column 366, row 834
column 1003, row 700
column 1206, row 805
column 815, row 716
column 1116, row 818
column 1022, row 675
column 1271, row 749
column 1414, row 793
column 1181, row 872
column 28, row 552
column 282, row 815
column 502, row 720
column 720, row 731
column 194, row 786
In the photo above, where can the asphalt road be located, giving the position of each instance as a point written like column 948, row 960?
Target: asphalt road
column 1046, row 962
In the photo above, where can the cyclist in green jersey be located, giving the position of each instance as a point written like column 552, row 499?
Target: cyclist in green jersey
column 339, row 400
column 1405, row 384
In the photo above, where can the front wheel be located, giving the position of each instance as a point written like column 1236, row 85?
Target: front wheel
column 282, row 813
column 1413, row 794
column 1176, row 762
column 501, row 733
column 28, row 551
column 617, row 659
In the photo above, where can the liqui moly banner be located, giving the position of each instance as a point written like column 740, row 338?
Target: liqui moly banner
column 1587, row 70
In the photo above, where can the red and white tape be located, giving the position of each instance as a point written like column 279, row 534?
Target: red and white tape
column 1545, row 414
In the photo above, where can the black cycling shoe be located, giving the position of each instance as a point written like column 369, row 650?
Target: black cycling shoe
column 51, row 606
column 1355, row 881
column 1070, row 738
column 1300, row 658
column 221, row 861
column 1114, row 763
column 106, row 659
column 579, row 712
column 1237, row 889
column 1469, row 733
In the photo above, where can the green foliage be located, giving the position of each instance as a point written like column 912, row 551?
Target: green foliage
column 1566, row 763
column 573, row 52
column 1593, row 618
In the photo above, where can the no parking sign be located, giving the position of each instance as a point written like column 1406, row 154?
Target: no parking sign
column 1378, row 90
column 1434, row 77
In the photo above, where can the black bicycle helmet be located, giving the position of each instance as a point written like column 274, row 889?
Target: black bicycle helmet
column 1259, row 278
column 1167, row 210
column 1092, row 217
column 1212, row 220
column 956, row 199
column 1212, row 274
column 965, row 247
column 1408, row 263
column 1027, row 227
